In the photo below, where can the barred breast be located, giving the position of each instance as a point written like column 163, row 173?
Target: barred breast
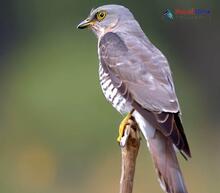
column 112, row 94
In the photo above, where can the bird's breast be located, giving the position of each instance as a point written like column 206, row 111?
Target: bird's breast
column 112, row 94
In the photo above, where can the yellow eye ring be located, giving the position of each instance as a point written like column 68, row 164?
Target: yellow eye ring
column 101, row 15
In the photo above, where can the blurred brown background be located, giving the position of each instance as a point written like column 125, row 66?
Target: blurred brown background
column 57, row 132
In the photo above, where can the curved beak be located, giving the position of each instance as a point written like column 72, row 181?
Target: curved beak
column 86, row 23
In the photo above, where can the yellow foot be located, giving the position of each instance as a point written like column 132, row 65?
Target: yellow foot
column 122, row 127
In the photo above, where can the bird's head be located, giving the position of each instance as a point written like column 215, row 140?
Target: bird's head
column 106, row 18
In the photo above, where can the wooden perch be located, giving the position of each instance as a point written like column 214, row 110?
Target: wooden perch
column 129, row 152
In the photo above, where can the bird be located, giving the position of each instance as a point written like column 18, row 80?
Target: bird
column 136, row 79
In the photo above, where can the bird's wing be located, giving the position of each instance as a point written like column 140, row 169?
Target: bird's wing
column 142, row 75
column 143, row 69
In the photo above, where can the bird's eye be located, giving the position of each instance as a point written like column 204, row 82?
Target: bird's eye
column 101, row 15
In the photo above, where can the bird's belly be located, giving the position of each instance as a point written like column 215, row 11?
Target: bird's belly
column 112, row 94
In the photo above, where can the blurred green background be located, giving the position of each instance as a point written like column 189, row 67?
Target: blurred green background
column 57, row 132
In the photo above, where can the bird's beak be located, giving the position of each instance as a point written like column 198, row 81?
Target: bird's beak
column 86, row 23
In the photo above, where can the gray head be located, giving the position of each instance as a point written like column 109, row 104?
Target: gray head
column 107, row 18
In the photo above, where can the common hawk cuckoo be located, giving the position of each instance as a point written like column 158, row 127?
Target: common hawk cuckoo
column 135, row 78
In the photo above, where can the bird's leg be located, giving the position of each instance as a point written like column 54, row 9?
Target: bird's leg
column 122, row 127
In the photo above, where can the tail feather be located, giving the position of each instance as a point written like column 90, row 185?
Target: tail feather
column 169, row 124
column 166, row 164
column 161, row 141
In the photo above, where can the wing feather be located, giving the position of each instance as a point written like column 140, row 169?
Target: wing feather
column 144, row 70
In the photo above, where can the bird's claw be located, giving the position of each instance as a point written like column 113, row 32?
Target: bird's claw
column 124, row 138
column 123, row 132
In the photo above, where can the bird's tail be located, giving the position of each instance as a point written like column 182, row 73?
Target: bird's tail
column 164, row 157
column 166, row 164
